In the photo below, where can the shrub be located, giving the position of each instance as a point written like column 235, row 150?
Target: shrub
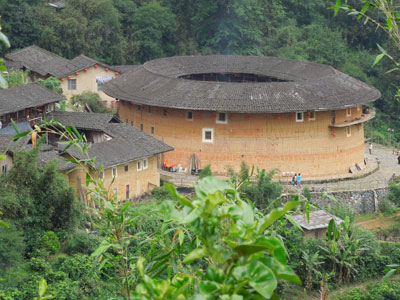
column 11, row 247
column 387, row 290
column 160, row 193
column 90, row 99
column 393, row 194
column 205, row 172
column 342, row 210
column 385, row 207
column 49, row 242
column 81, row 242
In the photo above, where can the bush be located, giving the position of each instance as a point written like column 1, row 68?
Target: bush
column 386, row 207
column 49, row 242
column 11, row 247
column 205, row 172
column 387, row 290
column 90, row 99
column 81, row 242
column 160, row 194
column 393, row 194
column 342, row 210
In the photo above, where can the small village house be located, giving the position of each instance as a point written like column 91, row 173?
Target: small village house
column 125, row 154
column 76, row 75
column 26, row 105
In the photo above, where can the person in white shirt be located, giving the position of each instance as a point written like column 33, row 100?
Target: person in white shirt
column 370, row 148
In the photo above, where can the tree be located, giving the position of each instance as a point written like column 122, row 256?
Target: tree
column 92, row 100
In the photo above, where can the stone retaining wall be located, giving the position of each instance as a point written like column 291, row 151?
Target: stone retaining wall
column 365, row 201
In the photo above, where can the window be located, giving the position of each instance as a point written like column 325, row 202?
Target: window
column 311, row 115
column 99, row 87
column 348, row 131
column 127, row 192
column 152, row 130
column 348, row 112
column 126, row 168
column 208, row 135
column 189, row 115
column 145, row 165
column 221, row 118
column 139, row 107
column 72, row 84
column 114, row 172
column 131, row 123
column 164, row 112
column 299, row 117
column 149, row 110
column 139, row 165
column 141, row 127
column 20, row 114
column 4, row 169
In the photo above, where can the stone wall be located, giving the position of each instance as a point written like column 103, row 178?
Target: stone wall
column 267, row 141
column 365, row 201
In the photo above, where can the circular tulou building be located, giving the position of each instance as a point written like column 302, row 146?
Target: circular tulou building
column 271, row 113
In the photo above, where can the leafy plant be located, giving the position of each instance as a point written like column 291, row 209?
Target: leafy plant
column 205, row 172
column 42, row 291
column 50, row 242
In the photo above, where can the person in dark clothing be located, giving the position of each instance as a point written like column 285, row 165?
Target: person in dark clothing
column 294, row 179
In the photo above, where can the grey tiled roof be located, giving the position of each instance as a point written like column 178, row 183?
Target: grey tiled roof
column 38, row 60
column 127, row 143
column 47, row 63
column 84, row 120
column 318, row 219
column 308, row 86
column 7, row 143
column 48, row 156
column 26, row 96
column 124, row 68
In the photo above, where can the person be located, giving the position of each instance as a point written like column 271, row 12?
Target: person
column 299, row 179
column 370, row 148
column 294, row 179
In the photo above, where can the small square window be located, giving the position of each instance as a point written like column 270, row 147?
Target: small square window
column 139, row 107
column 149, row 110
column 208, row 135
column 299, row 117
column 141, row 127
column 145, row 163
column 139, row 165
column 71, row 84
column 311, row 115
column 189, row 115
column 348, row 112
column 222, row 118
column 164, row 112
column 348, row 130
column 152, row 129
column 126, row 168
column 114, row 172
column 99, row 86
column 20, row 114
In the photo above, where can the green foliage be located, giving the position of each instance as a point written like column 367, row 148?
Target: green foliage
column 17, row 78
column 205, row 172
column 49, row 242
column 373, row 291
column 342, row 210
column 393, row 194
column 11, row 248
column 264, row 192
column 92, row 100
column 51, row 83
column 160, row 194
column 81, row 242
column 37, row 198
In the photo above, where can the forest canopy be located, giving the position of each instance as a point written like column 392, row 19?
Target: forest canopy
column 134, row 31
